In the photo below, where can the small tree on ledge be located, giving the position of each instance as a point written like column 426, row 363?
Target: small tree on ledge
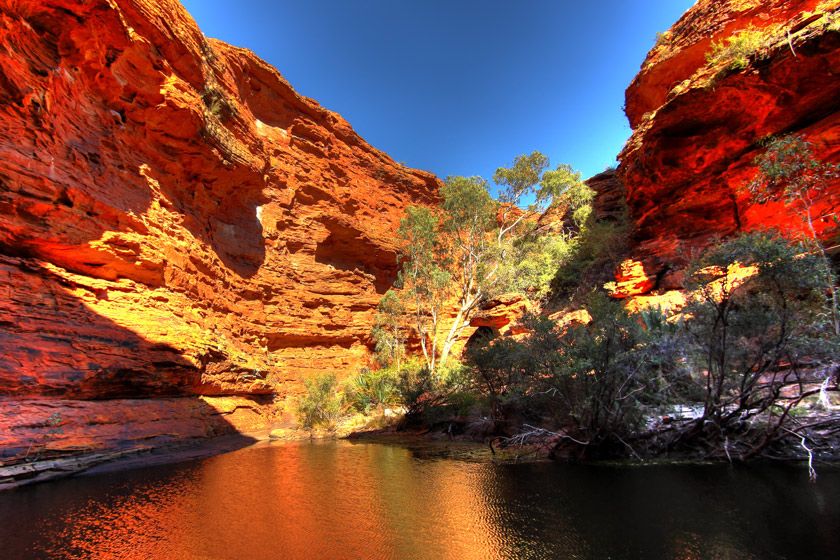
column 789, row 170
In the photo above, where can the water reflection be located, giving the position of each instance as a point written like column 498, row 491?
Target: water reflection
column 343, row 500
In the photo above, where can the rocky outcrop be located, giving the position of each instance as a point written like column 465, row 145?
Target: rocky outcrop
column 174, row 219
column 697, row 127
column 502, row 314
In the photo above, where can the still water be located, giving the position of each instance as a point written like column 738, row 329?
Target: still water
column 365, row 500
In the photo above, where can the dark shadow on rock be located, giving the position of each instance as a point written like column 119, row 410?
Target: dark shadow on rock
column 52, row 344
column 79, row 388
column 346, row 248
column 481, row 337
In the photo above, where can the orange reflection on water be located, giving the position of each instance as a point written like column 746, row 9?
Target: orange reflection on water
column 294, row 501
column 346, row 500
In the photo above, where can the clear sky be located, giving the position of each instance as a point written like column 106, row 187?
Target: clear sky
column 459, row 87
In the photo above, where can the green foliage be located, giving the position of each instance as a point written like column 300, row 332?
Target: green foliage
column 470, row 210
column 596, row 380
column 387, row 330
column 788, row 169
column 424, row 275
column 419, row 229
column 663, row 38
column 469, row 224
column 744, row 328
column 736, row 51
column 217, row 103
column 534, row 262
column 371, row 389
column 322, row 404
column 733, row 350
column 504, row 369
column 521, row 178
column 423, row 393
column 603, row 376
column 596, row 251
column 478, row 248
column 565, row 186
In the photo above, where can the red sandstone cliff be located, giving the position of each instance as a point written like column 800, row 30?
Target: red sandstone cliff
column 697, row 127
column 174, row 221
column 177, row 224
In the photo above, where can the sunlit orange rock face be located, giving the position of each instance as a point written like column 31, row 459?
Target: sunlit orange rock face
column 502, row 314
column 698, row 127
column 174, row 218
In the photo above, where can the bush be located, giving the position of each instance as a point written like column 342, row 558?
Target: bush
column 371, row 389
column 504, row 369
column 758, row 314
column 427, row 397
column 536, row 261
column 735, row 51
column 748, row 331
column 387, row 330
column 597, row 251
column 605, row 376
column 322, row 404
column 597, row 381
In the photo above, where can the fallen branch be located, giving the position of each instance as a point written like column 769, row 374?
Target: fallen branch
column 812, row 474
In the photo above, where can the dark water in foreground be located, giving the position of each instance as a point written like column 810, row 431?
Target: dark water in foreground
column 346, row 500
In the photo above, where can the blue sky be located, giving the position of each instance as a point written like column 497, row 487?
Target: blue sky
column 459, row 87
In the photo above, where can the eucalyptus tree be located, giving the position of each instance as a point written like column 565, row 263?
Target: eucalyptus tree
column 463, row 254
column 424, row 277
column 789, row 170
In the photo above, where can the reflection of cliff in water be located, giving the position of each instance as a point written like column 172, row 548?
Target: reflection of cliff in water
column 338, row 499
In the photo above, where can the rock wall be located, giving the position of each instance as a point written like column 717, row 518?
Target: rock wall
column 697, row 128
column 174, row 219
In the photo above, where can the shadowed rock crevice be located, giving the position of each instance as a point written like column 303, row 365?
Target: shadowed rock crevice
column 347, row 249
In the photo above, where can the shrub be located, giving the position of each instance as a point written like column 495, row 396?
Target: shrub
column 322, row 404
column 744, row 324
column 503, row 369
column 370, row 389
column 788, row 169
column 597, row 251
column 217, row 103
column 425, row 395
column 749, row 332
column 416, row 389
column 387, row 330
column 603, row 377
column 597, row 381
column 735, row 51
column 536, row 261
column 758, row 314
column 662, row 37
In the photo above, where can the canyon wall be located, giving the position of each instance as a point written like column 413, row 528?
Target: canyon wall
column 184, row 239
column 176, row 222
column 698, row 126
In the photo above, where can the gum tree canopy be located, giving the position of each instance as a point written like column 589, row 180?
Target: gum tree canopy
column 462, row 253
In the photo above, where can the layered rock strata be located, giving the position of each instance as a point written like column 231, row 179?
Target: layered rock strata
column 175, row 221
column 699, row 122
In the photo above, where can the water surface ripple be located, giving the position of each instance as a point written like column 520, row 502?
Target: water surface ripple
column 365, row 500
